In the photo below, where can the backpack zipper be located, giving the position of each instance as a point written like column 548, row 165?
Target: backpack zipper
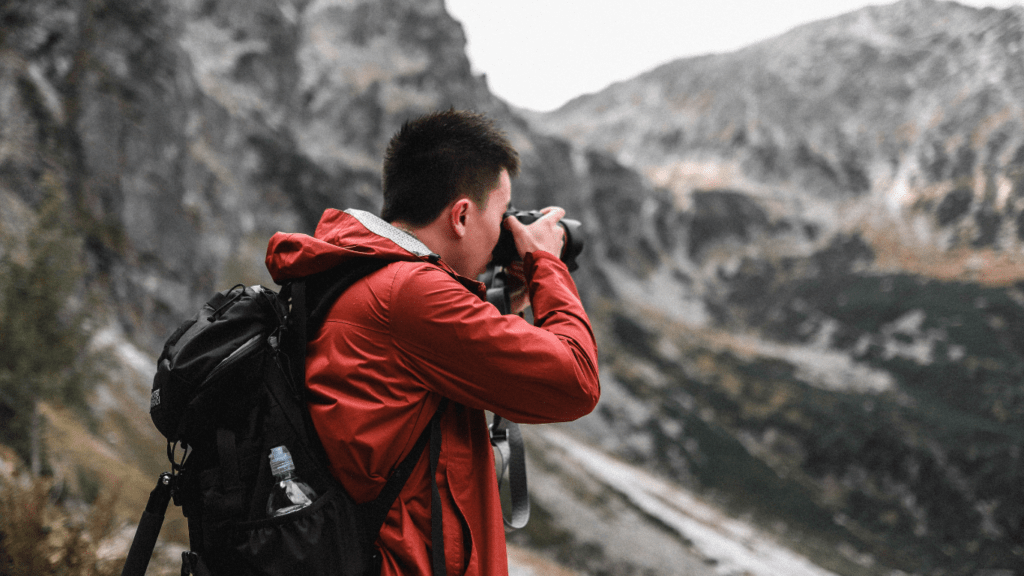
column 239, row 353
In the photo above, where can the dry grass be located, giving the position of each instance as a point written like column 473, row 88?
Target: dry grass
column 75, row 454
column 87, row 530
column 41, row 537
column 898, row 250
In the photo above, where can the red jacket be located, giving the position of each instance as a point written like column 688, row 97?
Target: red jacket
column 404, row 337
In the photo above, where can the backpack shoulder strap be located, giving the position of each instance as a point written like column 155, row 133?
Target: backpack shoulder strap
column 323, row 289
column 311, row 300
column 437, row 556
column 379, row 507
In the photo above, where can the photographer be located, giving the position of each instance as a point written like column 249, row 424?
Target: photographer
column 418, row 331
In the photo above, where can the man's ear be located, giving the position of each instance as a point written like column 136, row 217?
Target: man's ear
column 458, row 216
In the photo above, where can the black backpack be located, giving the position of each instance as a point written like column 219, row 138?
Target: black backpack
column 230, row 387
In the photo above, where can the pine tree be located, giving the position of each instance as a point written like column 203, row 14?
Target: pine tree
column 43, row 323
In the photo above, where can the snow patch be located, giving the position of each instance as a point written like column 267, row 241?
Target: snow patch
column 735, row 547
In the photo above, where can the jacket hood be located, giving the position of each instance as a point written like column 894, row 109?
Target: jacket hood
column 341, row 237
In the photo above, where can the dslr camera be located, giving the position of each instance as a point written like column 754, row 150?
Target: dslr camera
column 505, row 253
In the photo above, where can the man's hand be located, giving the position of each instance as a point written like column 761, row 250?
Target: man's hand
column 543, row 234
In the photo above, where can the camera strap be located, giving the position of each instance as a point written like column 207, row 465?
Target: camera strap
column 507, row 439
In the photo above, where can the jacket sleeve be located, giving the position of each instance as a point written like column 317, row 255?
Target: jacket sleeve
column 461, row 347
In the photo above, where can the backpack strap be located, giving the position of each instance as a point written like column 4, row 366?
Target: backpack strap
column 323, row 289
column 436, row 515
column 381, row 505
column 230, row 475
column 311, row 300
column 292, row 345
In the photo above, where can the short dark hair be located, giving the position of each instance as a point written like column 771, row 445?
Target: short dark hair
column 438, row 158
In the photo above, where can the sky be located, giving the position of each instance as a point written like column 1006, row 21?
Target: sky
column 538, row 54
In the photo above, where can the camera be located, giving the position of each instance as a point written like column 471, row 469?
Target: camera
column 504, row 254
column 505, row 251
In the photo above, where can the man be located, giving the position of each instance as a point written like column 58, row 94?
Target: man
column 419, row 330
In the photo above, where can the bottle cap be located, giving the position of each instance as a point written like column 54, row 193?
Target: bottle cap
column 281, row 461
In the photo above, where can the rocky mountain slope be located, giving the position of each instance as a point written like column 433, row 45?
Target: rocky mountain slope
column 818, row 278
column 183, row 135
column 186, row 132
column 907, row 114
column 801, row 262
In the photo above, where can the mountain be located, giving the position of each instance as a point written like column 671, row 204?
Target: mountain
column 907, row 113
column 802, row 258
column 814, row 251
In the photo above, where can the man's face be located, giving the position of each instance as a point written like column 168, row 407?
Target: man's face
column 484, row 226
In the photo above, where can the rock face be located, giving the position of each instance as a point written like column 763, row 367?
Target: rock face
column 802, row 265
column 909, row 111
column 817, row 278
column 188, row 132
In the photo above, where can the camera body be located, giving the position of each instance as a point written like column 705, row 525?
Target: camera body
column 505, row 251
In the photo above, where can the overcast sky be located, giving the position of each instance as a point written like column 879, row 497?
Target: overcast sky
column 538, row 54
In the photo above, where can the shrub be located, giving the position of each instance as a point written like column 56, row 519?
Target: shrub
column 40, row 536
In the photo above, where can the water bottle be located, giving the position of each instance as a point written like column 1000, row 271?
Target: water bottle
column 289, row 493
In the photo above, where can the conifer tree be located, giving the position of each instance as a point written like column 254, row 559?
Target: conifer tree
column 43, row 323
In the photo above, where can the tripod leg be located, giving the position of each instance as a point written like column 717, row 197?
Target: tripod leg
column 149, row 528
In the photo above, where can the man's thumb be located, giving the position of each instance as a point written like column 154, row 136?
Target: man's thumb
column 513, row 224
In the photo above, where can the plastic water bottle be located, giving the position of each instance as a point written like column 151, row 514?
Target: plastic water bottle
column 289, row 493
